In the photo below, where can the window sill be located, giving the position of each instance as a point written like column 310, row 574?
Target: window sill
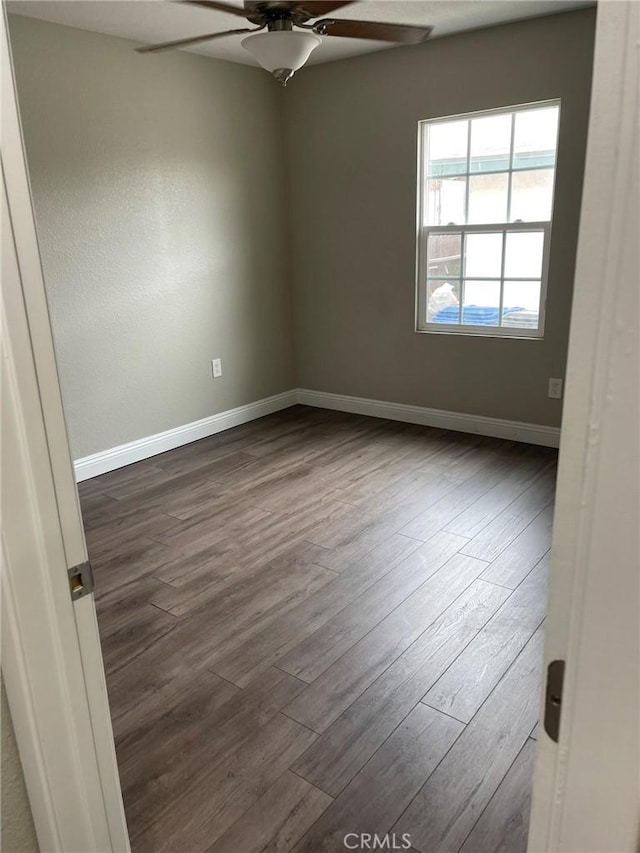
column 476, row 333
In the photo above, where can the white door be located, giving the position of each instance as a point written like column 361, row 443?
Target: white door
column 52, row 661
column 586, row 792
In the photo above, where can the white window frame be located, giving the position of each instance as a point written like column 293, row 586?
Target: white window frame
column 423, row 231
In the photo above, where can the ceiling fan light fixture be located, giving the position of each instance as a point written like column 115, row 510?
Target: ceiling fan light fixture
column 281, row 52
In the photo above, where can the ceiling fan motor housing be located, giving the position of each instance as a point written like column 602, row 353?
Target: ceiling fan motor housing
column 276, row 15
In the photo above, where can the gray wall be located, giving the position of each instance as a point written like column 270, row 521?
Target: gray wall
column 161, row 214
column 18, row 834
column 351, row 136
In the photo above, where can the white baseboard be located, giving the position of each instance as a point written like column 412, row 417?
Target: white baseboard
column 143, row 448
column 478, row 424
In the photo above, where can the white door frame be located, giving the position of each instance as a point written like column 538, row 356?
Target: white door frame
column 51, row 661
column 585, row 796
column 586, row 788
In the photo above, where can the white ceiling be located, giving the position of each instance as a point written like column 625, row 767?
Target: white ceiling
column 151, row 21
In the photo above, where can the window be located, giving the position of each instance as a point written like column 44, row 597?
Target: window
column 484, row 220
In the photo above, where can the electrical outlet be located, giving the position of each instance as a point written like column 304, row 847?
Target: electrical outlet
column 216, row 367
column 555, row 389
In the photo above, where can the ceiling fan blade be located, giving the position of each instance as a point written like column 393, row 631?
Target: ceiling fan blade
column 220, row 7
column 400, row 33
column 167, row 45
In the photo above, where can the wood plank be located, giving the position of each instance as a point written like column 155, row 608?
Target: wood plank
column 225, row 560
column 301, row 432
column 475, row 518
column 134, row 635
column 209, row 807
column 265, row 540
column 122, row 534
column 229, row 619
column 270, row 645
column 182, row 494
column 504, row 528
column 179, row 497
column 349, row 743
column 146, row 684
column 116, row 606
column 165, row 766
column 117, row 569
column 473, row 675
column 185, row 705
column 440, row 514
column 527, row 549
column 385, row 474
column 261, row 473
column 364, row 528
column 380, row 792
column 223, row 565
column 275, row 822
column 220, row 519
column 194, row 455
column 129, row 479
column 476, row 452
column 447, row 807
column 251, row 592
column 89, row 488
column 317, row 652
column 212, row 574
column 504, row 824
column 93, row 505
column 251, row 533
column 182, row 696
column 180, row 569
column 302, row 447
column 176, row 740
column 329, row 695
column 299, row 486
column 191, row 457
column 342, row 464
column 404, row 485
column 216, row 469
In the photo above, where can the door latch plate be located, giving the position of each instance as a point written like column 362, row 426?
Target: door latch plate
column 553, row 699
column 80, row 580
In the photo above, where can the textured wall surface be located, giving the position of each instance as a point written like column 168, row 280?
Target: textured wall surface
column 18, row 834
column 351, row 134
column 161, row 213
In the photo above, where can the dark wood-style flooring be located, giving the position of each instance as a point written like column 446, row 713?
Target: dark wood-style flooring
column 319, row 624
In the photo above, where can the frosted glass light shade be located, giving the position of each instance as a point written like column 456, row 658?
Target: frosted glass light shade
column 281, row 50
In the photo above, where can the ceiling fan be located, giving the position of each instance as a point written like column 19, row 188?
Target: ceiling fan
column 281, row 50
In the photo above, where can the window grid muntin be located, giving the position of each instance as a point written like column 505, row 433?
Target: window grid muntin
column 422, row 325
column 510, row 180
column 489, row 172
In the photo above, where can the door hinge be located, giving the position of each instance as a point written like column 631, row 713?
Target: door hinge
column 80, row 580
column 553, row 699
